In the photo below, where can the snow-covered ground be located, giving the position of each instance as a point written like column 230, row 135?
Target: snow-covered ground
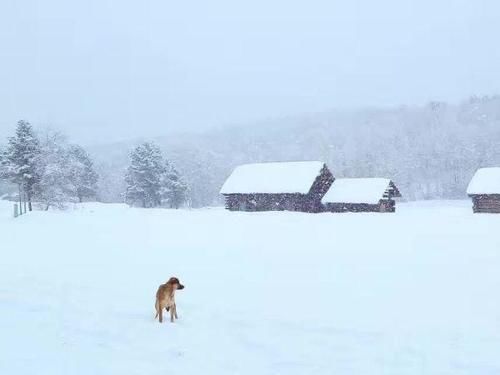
column 416, row 292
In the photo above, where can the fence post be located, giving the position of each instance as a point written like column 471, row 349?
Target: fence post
column 16, row 211
column 20, row 200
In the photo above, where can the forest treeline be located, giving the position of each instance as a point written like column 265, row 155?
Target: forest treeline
column 430, row 151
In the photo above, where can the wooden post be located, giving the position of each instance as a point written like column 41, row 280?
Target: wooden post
column 16, row 212
column 20, row 201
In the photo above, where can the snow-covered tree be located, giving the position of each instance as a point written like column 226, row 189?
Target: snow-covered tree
column 20, row 159
column 174, row 189
column 144, row 176
column 54, row 187
column 3, row 165
column 81, row 173
column 5, row 187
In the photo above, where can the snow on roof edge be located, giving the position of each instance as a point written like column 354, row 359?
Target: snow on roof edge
column 486, row 181
column 357, row 190
column 273, row 177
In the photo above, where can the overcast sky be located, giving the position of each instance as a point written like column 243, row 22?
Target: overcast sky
column 105, row 70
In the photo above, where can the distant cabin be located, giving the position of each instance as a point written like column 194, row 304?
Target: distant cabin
column 484, row 189
column 361, row 195
column 277, row 186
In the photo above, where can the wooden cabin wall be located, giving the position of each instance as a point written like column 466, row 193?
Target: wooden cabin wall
column 382, row 206
column 310, row 202
column 486, row 203
column 322, row 184
column 387, row 205
column 299, row 202
column 352, row 207
column 272, row 202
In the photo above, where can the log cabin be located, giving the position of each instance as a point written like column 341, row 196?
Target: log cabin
column 361, row 195
column 277, row 186
column 484, row 189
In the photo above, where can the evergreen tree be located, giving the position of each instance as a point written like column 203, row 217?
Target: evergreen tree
column 20, row 159
column 81, row 173
column 4, row 183
column 174, row 189
column 3, row 164
column 144, row 176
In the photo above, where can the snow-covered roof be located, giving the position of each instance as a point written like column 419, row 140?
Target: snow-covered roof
column 273, row 178
column 485, row 181
column 357, row 190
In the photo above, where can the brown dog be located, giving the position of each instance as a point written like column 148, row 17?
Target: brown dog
column 165, row 298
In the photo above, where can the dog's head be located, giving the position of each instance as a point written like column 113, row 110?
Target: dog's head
column 174, row 281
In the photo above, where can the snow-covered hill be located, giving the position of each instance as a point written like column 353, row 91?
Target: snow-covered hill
column 414, row 292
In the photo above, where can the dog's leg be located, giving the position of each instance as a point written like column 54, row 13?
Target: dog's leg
column 156, row 308
column 160, row 314
column 175, row 311
column 172, row 311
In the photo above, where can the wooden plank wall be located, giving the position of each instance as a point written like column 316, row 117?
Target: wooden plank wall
column 486, row 203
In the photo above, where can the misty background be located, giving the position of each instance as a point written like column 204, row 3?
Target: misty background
column 398, row 89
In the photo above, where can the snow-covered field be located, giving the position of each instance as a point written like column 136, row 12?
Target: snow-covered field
column 416, row 292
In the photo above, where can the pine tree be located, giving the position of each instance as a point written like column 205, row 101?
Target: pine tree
column 3, row 165
column 81, row 173
column 144, row 176
column 20, row 159
column 174, row 189
column 3, row 172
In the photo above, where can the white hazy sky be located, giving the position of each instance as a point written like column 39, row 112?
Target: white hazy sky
column 113, row 69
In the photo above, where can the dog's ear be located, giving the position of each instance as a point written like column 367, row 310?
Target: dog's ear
column 173, row 280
